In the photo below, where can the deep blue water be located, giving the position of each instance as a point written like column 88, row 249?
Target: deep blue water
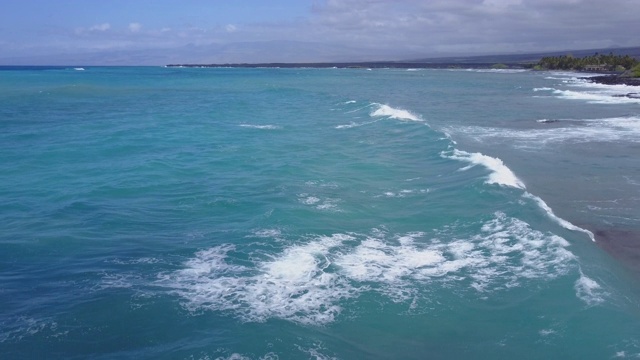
column 173, row 213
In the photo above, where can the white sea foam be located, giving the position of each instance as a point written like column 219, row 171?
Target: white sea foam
column 329, row 205
column 588, row 290
column 546, row 332
column 597, row 97
column 574, row 130
column 393, row 113
column 308, row 200
column 294, row 285
column 18, row 328
column 143, row 260
column 402, row 193
column 267, row 233
column 497, row 71
column 348, row 126
column 500, row 173
column 584, row 90
column 380, row 112
column 316, row 352
column 355, row 124
column 238, row 356
column 326, row 204
column 262, row 127
column 307, row 282
column 117, row 281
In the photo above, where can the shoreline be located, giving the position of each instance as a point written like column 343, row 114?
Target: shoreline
column 614, row 80
column 357, row 65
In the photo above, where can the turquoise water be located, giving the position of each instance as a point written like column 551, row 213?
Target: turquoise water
column 317, row 213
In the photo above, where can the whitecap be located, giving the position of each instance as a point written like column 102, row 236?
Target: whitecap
column 316, row 352
column 546, row 332
column 262, row 127
column 267, row 233
column 354, row 124
column 496, row 71
column 588, row 290
column 597, row 97
column 575, row 130
column 393, row 113
column 500, row 173
column 583, row 89
column 308, row 200
column 329, row 205
column 562, row 222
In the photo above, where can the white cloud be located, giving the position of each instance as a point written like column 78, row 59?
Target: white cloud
column 360, row 30
column 135, row 27
column 100, row 27
column 479, row 26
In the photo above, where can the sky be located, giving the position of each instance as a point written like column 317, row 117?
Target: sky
column 158, row 32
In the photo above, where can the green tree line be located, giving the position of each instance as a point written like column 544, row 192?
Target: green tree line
column 568, row 62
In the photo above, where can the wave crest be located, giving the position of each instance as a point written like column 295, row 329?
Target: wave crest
column 394, row 113
column 500, row 173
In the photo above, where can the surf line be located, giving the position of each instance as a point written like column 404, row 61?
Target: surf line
column 503, row 176
column 500, row 173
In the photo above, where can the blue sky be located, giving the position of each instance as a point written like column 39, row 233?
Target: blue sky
column 156, row 32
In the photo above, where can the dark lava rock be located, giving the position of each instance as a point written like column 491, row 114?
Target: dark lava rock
column 629, row 95
column 614, row 80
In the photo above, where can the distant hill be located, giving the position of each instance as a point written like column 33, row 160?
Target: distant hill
column 484, row 61
column 526, row 58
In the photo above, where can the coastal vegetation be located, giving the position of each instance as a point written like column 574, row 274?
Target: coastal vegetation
column 598, row 62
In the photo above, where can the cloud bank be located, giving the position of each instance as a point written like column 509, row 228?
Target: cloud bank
column 346, row 30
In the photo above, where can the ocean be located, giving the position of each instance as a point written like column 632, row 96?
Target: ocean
column 265, row 213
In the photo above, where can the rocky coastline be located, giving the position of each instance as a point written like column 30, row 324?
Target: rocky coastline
column 614, row 80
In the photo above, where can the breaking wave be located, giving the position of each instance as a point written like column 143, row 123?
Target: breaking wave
column 500, row 173
column 307, row 283
column 559, row 131
column 593, row 93
column 588, row 290
column 393, row 113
